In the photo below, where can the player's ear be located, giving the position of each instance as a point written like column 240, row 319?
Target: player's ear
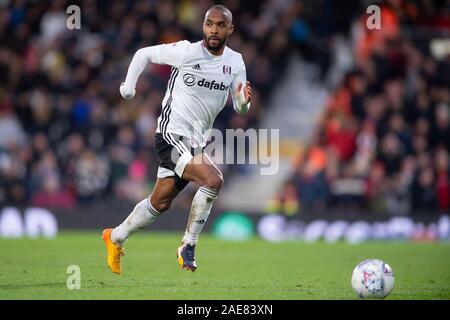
column 230, row 31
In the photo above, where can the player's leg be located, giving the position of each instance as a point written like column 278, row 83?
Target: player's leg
column 143, row 214
column 147, row 211
column 205, row 173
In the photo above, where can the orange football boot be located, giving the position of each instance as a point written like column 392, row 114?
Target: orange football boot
column 114, row 252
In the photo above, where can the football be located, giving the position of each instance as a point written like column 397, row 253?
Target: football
column 373, row 278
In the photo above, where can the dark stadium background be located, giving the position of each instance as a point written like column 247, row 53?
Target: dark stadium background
column 377, row 147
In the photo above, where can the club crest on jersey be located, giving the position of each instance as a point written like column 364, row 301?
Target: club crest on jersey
column 192, row 143
column 226, row 70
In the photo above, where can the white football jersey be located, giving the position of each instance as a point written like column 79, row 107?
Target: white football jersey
column 198, row 87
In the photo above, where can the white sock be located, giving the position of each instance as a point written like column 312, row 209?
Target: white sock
column 200, row 210
column 142, row 215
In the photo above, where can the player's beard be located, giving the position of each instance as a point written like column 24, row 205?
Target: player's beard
column 218, row 46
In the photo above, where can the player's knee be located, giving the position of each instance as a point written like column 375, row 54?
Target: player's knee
column 215, row 181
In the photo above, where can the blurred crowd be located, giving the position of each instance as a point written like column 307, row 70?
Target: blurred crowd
column 66, row 136
column 383, row 142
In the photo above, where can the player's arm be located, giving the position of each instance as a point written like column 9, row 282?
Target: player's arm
column 170, row 54
column 241, row 93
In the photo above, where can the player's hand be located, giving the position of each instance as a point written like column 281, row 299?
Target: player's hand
column 127, row 93
column 246, row 95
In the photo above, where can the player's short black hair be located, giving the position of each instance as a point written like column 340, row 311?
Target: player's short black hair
column 223, row 9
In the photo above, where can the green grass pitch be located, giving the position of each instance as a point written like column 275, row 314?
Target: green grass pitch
column 36, row 269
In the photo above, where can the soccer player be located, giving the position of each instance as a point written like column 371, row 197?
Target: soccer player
column 203, row 74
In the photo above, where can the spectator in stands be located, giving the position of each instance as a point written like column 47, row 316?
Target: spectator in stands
column 442, row 179
column 311, row 177
column 52, row 195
